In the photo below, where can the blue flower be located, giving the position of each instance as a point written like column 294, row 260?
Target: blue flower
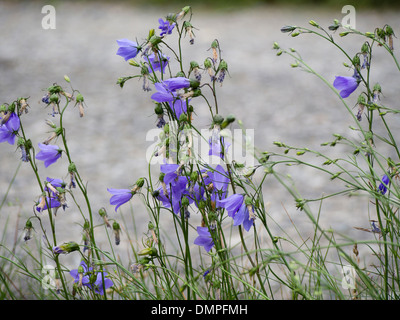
column 48, row 153
column 127, row 49
column 347, row 85
column 238, row 210
column 119, row 196
column 166, row 27
column 44, row 201
column 163, row 94
column 232, row 204
column 218, row 146
column 204, row 239
column 383, row 186
column 80, row 275
column 9, row 129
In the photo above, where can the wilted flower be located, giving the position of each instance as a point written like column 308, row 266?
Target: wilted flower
column 127, row 49
column 204, row 239
column 48, row 153
column 28, row 230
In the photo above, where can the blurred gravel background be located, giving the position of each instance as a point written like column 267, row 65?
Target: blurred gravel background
column 109, row 144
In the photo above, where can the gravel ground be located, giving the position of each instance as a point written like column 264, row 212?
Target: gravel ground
column 109, row 145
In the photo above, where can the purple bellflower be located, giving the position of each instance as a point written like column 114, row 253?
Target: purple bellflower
column 9, row 129
column 99, row 285
column 238, row 210
column 48, row 153
column 165, row 26
column 347, row 85
column 204, row 239
column 383, row 186
column 218, row 147
column 127, row 49
column 44, row 201
column 220, row 181
column 119, row 196
column 82, row 277
column 177, row 83
column 166, row 93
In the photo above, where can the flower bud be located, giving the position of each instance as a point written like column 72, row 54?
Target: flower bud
column 117, row 230
column 313, row 23
column 227, row 121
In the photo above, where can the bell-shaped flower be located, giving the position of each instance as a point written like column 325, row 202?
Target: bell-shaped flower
column 204, row 239
column 165, row 26
column 347, row 85
column 120, row 196
column 48, row 153
column 383, row 186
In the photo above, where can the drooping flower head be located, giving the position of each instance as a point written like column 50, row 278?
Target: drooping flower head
column 156, row 62
column 238, row 210
column 120, row 196
column 347, row 85
column 9, row 129
column 383, row 186
column 48, row 153
column 204, row 239
column 127, row 49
